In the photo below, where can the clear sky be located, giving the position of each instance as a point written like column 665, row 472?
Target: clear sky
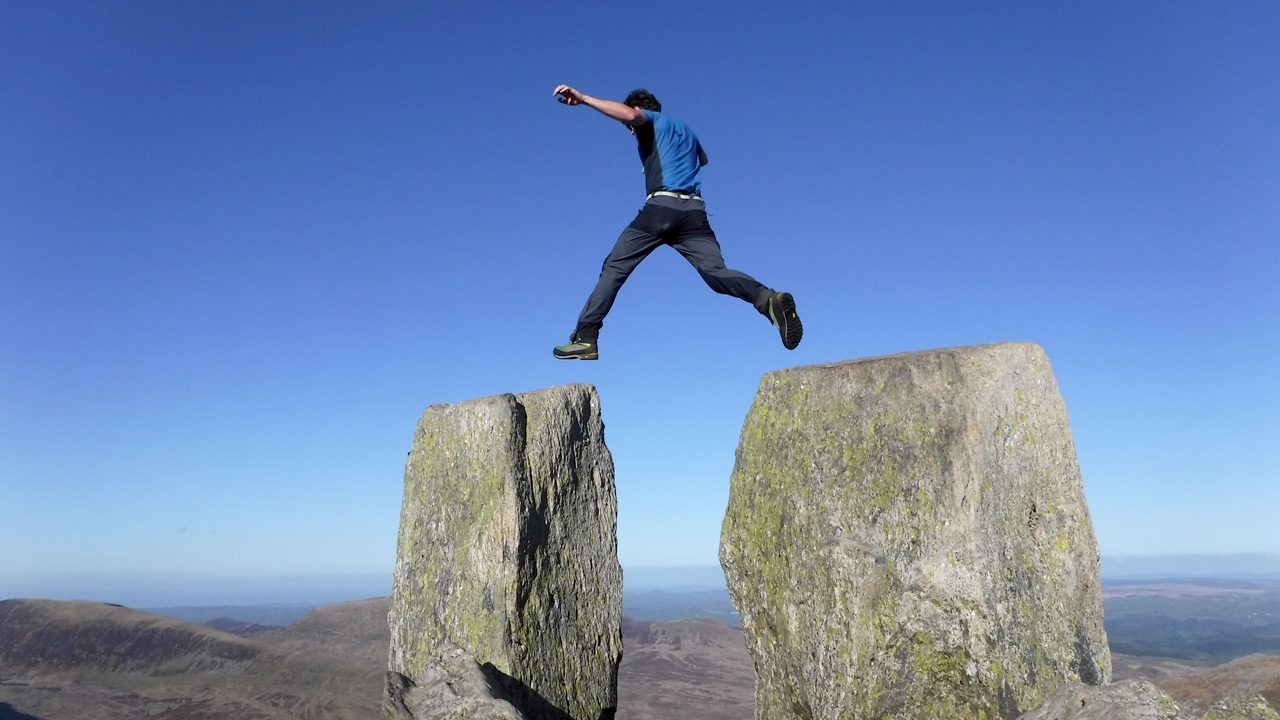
column 243, row 245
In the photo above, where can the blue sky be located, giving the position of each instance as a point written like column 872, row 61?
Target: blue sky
column 244, row 245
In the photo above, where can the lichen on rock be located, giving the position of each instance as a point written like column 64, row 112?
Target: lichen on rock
column 508, row 548
column 907, row 537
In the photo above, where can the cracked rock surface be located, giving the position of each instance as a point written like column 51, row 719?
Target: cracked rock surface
column 907, row 537
column 508, row 549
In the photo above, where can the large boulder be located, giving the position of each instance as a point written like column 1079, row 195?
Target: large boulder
column 508, row 548
column 907, row 537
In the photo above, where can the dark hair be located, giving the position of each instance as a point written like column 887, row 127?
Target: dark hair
column 644, row 100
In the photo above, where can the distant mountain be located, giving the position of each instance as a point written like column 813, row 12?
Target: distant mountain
column 78, row 660
column 1251, row 675
column 235, row 627
column 77, row 636
column 273, row 615
column 1202, row 622
column 695, row 668
column 356, row 631
column 1190, row 566
column 667, row 605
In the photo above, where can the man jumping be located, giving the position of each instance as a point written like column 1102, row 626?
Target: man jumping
column 673, row 214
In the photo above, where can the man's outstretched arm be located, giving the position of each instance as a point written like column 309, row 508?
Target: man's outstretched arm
column 616, row 110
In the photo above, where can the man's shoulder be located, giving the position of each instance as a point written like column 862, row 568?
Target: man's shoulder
column 663, row 120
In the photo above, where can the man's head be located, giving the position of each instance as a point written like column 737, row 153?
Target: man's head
column 644, row 100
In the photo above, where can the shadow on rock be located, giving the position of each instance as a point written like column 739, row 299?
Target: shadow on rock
column 7, row 712
column 533, row 705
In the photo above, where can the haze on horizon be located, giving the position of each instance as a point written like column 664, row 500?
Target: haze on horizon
column 242, row 247
column 195, row 591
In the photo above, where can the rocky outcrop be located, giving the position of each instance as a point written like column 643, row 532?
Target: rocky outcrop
column 1242, row 708
column 1140, row 700
column 1129, row 700
column 452, row 687
column 508, row 548
column 907, row 537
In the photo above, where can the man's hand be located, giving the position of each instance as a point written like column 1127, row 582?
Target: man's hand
column 569, row 96
column 627, row 115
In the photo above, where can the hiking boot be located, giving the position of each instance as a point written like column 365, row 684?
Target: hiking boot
column 782, row 313
column 577, row 350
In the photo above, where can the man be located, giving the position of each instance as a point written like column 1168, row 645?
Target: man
column 673, row 214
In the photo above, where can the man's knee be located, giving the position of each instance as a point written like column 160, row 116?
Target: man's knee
column 716, row 268
column 717, row 283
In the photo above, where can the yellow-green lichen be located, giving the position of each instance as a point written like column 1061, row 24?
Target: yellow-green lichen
column 841, row 485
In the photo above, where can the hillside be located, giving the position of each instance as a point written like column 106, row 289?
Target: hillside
column 1201, row 622
column 39, row 637
column 77, row 660
column 342, row 648
column 696, row 668
column 92, row 661
column 1250, row 675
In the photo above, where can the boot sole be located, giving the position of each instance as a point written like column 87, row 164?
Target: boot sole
column 782, row 311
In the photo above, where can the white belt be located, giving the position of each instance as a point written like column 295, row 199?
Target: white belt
column 667, row 193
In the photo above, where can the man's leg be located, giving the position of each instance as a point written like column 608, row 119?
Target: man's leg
column 634, row 244
column 704, row 254
column 697, row 243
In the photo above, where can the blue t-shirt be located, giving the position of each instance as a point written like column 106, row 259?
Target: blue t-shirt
column 671, row 155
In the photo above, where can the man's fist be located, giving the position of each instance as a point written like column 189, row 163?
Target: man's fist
column 568, row 95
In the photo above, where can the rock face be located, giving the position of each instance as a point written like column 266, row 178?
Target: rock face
column 508, row 548
column 907, row 537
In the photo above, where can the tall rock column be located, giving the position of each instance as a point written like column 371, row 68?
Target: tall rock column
column 907, row 537
column 508, row 548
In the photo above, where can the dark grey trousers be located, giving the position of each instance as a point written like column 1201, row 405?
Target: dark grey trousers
column 683, row 225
